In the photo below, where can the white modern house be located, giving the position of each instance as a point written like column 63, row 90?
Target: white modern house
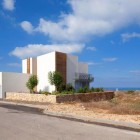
column 72, row 71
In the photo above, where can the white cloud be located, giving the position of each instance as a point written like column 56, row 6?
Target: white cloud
column 14, row 64
column 136, row 72
column 91, row 48
column 127, row 36
column 8, row 4
column 91, row 18
column 111, row 59
column 32, row 50
column 94, row 63
column 27, row 26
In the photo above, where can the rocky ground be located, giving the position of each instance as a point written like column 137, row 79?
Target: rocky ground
column 124, row 107
column 80, row 110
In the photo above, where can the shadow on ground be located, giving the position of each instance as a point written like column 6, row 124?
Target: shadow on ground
column 22, row 108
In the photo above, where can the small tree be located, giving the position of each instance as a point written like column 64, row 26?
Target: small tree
column 32, row 83
column 55, row 79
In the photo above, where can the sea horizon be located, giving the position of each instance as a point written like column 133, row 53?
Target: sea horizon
column 121, row 88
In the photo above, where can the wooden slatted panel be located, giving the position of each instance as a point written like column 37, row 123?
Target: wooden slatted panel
column 28, row 65
column 61, row 63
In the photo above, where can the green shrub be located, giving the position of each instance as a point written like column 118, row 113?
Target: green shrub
column 130, row 91
column 80, row 90
column 32, row 83
column 92, row 89
column 67, row 87
column 98, row 89
column 55, row 93
column 45, row 92
column 62, row 87
column 67, row 92
column 87, row 90
column 55, row 78
column 83, row 90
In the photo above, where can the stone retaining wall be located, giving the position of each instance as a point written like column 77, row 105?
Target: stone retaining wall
column 83, row 97
column 30, row 97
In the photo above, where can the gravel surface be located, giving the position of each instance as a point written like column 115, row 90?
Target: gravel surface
column 78, row 109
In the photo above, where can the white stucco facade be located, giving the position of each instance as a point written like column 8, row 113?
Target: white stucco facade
column 13, row 82
column 75, row 67
column 45, row 64
column 24, row 66
column 0, row 84
column 82, row 67
column 72, row 68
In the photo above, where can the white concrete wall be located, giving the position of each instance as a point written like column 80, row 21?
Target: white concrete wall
column 0, row 84
column 72, row 68
column 24, row 66
column 33, row 66
column 0, row 78
column 82, row 67
column 45, row 64
column 14, row 82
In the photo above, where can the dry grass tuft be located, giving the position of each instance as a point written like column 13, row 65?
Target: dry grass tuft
column 122, row 104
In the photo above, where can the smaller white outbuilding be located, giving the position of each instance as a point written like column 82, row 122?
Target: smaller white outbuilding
column 13, row 82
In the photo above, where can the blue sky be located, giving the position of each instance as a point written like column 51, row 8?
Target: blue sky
column 103, row 33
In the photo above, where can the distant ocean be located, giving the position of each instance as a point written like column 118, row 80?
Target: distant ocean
column 122, row 88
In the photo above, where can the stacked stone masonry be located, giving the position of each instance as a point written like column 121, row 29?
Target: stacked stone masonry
column 30, row 97
column 83, row 97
